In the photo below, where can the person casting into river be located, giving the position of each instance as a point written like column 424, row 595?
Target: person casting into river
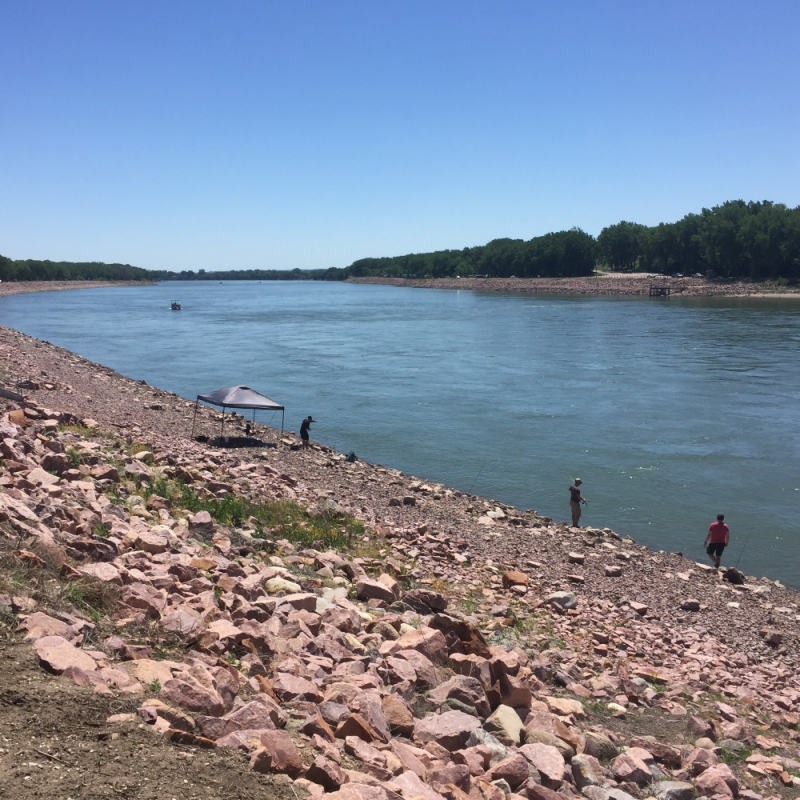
column 575, row 501
column 304, row 430
column 719, row 538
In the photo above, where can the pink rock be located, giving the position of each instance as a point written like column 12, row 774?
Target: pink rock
column 410, row 786
column 547, row 760
column 102, row 571
column 245, row 740
column 734, row 730
column 150, row 542
column 327, row 773
column 455, row 774
column 83, row 677
column 640, row 753
column 105, row 472
column 398, row 715
column 250, row 716
column 228, row 633
column 718, row 780
column 276, row 713
column 369, row 706
column 57, row 654
column 300, row 601
column 124, row 682
column 701, row 728
column 291, row 687
column 284, row 757
column 535, row 791
column 326, row 748
column 181, row 623
column 514, row 770
column 629, row 768
column 139, row 595
column 40, row 625
column 663, row 753
column 368, row 589
column 699, row 760
column 365, row 752
column 400, row 670
column 391, row 584
column 356, row 725
column 359, row 791
column 433, row 600
column 467, row 690
column 42, row 478
column 189, row 694
column 202, row 524
column 149, row 714
column 428, row 641
column 451, row 729
column 315, row 725
column 514, row 692
column 411, row 758
column 343, row 619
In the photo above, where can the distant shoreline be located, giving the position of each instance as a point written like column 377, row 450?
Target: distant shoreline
column 610, row 284
column 9, row 288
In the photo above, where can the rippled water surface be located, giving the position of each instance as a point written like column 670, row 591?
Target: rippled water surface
column 670, row 411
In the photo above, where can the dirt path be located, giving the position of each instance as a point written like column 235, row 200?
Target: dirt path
column 56, row 744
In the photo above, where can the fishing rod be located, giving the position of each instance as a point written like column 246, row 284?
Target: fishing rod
column 480, row 472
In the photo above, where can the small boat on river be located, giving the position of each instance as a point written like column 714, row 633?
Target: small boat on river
column 176, row 306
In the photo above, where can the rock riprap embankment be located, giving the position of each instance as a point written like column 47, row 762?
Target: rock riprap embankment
column 452, row 647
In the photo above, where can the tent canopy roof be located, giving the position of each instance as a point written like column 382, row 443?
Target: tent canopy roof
column 239, row 397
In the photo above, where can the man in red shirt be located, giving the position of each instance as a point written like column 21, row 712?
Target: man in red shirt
column 717, row 540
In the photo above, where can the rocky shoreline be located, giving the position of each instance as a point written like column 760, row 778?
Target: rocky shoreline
column 610, row 284
column 449, row 646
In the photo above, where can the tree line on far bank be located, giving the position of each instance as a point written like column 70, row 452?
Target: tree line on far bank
column 32, row 270
column 736, row 240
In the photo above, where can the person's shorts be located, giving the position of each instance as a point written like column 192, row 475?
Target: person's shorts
column 575, row 508
column 304, row 437
column 715, row 549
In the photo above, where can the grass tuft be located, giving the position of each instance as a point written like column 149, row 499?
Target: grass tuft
column 276, row 520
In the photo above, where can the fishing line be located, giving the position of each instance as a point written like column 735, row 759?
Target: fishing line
column 745, row 545
column 480, row 472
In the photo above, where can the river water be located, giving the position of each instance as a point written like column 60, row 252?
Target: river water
column 669, row 410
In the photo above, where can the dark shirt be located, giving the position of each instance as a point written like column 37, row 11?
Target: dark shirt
column 574, row 494
column 304, row 428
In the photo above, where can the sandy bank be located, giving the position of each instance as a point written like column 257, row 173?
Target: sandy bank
column 607, row 284
column 29, row 287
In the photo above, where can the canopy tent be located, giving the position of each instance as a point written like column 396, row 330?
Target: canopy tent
column 238, row 397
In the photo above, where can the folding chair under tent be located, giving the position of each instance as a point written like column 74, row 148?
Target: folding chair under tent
column 238, row 397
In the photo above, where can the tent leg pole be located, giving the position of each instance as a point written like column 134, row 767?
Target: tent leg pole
column 195, row 417
column 222, row 429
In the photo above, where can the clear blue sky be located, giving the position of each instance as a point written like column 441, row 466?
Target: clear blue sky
column 237, row 135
